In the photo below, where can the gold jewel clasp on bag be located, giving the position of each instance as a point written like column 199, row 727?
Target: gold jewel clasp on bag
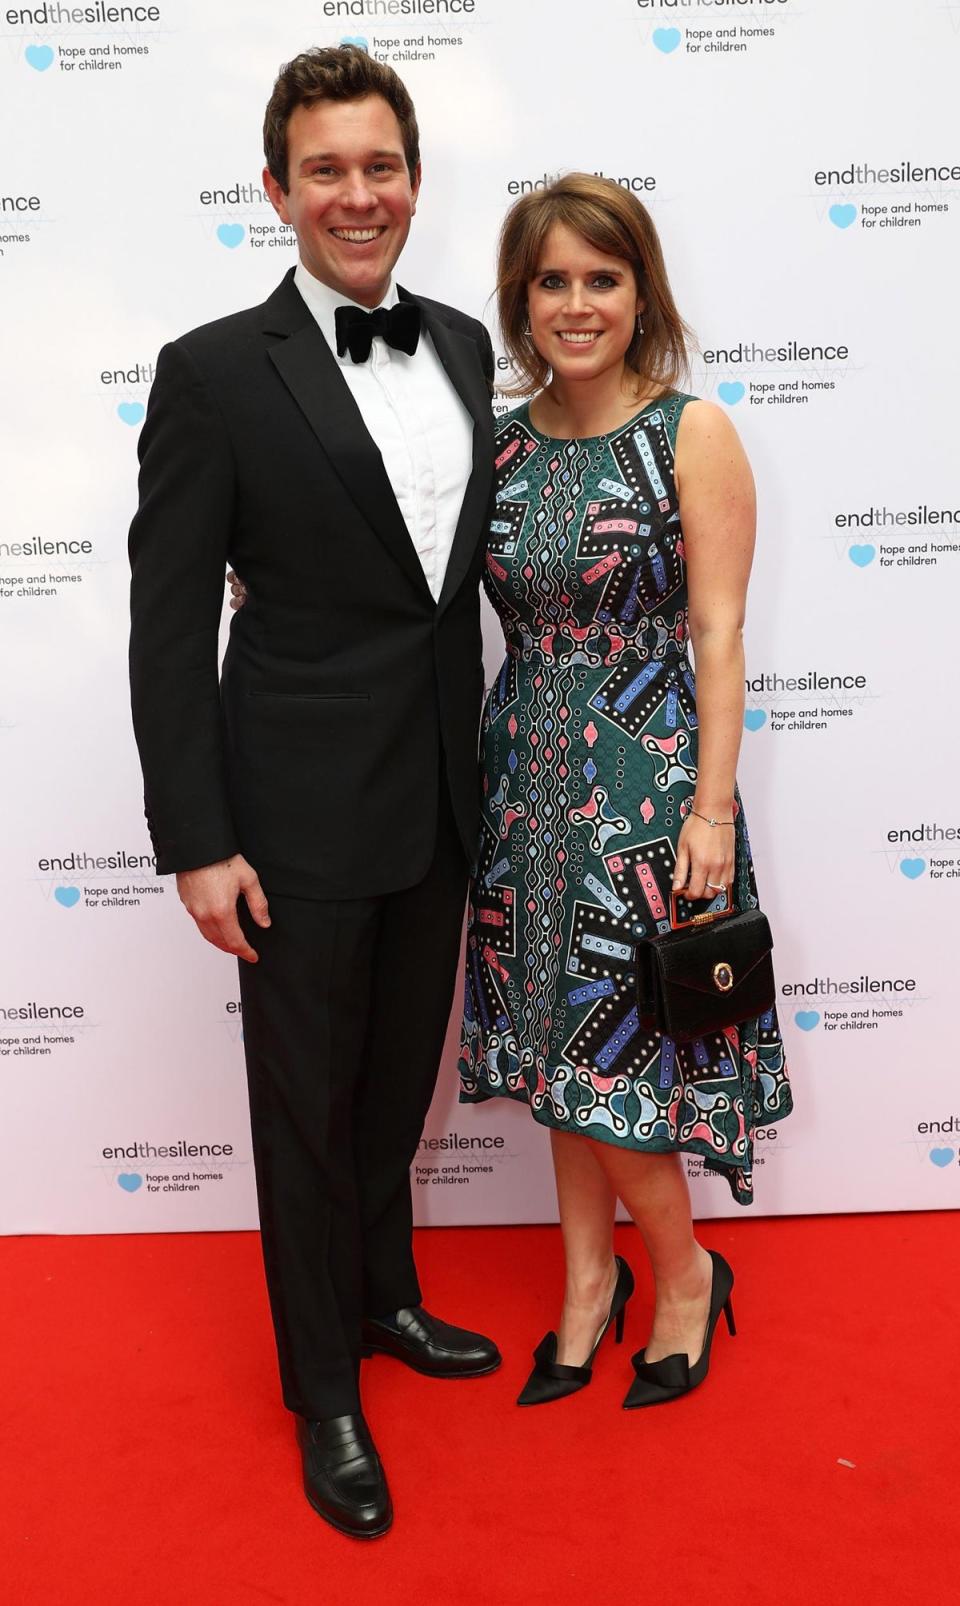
column 707, row 918
column 723, row 976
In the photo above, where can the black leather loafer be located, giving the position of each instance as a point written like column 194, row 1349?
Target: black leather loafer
column 430, row 1345
column 342, row 1476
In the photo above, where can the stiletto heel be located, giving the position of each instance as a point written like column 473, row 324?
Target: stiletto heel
column 551, row 1381
column 659, row 1381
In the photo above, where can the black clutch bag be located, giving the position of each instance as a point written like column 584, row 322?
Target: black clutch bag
column 706, row 974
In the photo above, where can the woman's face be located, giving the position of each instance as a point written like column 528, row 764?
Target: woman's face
column 583, row 306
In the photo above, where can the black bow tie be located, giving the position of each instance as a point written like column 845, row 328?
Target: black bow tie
column 400, row 328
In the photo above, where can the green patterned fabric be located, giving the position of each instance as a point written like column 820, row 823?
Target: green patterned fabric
column 589, row 763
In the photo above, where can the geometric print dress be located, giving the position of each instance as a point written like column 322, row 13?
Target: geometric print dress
column 589, row 764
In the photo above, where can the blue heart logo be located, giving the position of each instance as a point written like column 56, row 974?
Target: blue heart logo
column 912, row 868
column 843, row 214
column 130, row 1181
column 230, row 235
column 39, row 57
column 131, row 412
column 731, row 391
column 667, row 39
column 862, row 555
column 67, row 896
column 754, row 718
column 942, row 1157
column 355, row 39
column 807, row 1019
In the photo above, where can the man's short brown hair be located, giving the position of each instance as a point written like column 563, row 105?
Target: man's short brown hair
column 341, row 72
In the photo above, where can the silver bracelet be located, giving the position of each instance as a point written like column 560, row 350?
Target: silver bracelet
column 709, row 821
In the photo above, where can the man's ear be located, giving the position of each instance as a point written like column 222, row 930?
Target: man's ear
column 417, row 179
column 276, row 195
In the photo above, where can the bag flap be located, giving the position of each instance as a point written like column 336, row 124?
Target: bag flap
column 705, row 982
column 727, row 949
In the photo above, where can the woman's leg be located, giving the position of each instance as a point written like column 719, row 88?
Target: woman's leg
column 654, row 1189
column 587, row 1205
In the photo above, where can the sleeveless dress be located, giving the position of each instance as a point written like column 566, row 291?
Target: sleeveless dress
column 588, row 766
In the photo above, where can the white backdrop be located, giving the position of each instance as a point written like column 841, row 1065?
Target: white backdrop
column 801, row 160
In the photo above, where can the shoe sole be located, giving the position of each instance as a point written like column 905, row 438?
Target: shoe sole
column 366, row 1350
column 668, row 1399
column 549, row 1399
column 349, row 1533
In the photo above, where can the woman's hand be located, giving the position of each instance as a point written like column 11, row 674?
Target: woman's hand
column 705, row 858
column 238, row 591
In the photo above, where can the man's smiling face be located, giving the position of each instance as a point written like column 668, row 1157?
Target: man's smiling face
column 350, row 198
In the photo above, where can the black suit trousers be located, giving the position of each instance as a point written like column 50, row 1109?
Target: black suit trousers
column 344, row 1019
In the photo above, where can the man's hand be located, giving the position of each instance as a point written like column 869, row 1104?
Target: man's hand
column 210, row 895
column 238, row 591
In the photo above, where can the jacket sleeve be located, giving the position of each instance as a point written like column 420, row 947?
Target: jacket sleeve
column 486, row 357
column 178, row 547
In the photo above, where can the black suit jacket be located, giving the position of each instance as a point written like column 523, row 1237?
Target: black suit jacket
column 344, row 684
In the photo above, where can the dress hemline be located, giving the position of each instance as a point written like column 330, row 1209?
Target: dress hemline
column 729, row 1169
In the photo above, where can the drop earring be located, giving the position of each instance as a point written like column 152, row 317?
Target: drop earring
column 639, row 323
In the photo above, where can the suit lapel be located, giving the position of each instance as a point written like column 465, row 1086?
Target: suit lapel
column 460, row 358
column 312, row 375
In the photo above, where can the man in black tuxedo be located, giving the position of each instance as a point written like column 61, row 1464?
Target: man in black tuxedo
column 320, row 805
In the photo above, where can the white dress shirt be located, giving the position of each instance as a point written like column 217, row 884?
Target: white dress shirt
column 416, row 418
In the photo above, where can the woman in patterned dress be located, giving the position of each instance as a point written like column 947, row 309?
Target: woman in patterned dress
column 622, row 531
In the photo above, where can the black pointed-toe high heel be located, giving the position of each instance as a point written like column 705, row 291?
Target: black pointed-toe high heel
column 549, row 1380
column 659, row 1381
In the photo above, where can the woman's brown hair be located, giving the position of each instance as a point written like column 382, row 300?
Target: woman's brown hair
column 612, row 220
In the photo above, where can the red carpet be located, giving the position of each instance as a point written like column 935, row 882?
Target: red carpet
column 147, row 1462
